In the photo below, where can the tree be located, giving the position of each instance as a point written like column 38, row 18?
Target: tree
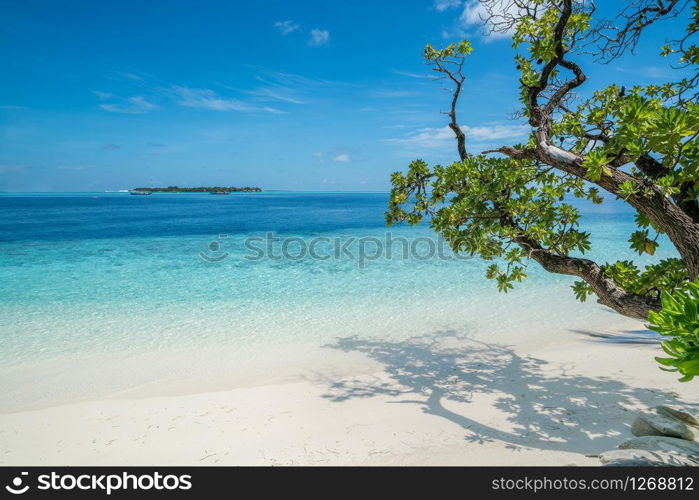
column 638, row 144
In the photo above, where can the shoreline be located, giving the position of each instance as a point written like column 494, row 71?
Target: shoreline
column 188, row 353
column 426, row 400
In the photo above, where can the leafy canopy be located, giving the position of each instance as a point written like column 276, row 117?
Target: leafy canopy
column 502, row 209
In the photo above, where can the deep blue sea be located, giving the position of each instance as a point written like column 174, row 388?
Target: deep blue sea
column 107, row 292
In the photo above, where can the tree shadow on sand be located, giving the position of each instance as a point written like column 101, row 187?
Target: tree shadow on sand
column 546, row 409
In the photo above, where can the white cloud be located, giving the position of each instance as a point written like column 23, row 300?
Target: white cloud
column 103, row 95
column 442, row 5
column 208, row 99
column 274, row 88
column 274, row 93
column 426, row 138
column 408, row 73
column 318, row 154
column 293, row 80
column 286, row 27
column 441, row 137
column 318, row 37
column 495, row 132
column 392, row 93
column 475, row 14
column 131, row 105
column 343, row 158
column 130, row 76
column 657, row 72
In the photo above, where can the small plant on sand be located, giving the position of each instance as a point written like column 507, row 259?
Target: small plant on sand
column 679, row 321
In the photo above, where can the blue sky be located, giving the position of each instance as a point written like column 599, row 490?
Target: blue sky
column 303, row 95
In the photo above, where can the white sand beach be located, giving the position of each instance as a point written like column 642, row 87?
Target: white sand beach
column 434, row 400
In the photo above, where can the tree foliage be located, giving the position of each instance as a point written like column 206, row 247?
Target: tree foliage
column 513, row 204
column 679, row 320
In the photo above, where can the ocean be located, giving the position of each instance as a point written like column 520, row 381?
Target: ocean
column 107, row 294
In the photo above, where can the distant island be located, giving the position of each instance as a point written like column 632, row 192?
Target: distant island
column 201, row 189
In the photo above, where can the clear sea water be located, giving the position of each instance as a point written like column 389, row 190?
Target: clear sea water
column 105, row 293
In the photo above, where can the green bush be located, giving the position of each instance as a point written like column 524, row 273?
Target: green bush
column 679, row 321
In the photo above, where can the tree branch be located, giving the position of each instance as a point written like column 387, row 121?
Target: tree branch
column 636, row 16
column 458, row 78
column 608, row 292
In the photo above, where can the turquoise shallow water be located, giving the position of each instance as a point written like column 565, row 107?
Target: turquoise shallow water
column 138, row 288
